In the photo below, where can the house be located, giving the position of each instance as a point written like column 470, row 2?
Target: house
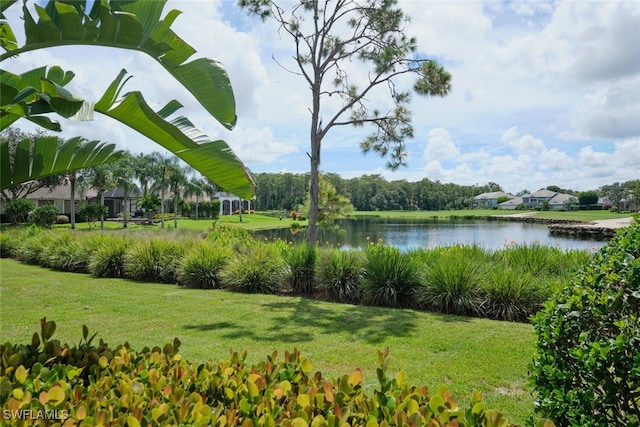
column 489, row 200
column 114, row 200
column 60, row 197
column 538, row 198
column 551, row 199
column 562, row 202
column 229, row 203
column 511, row 204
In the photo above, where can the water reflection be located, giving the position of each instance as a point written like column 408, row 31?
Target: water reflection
column 424, row 233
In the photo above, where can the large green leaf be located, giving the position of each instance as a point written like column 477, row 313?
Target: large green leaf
column 46, row 156
column 132, row 25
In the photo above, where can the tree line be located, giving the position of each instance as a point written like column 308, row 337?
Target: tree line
column 374, row 193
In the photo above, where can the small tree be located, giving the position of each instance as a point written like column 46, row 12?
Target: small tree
column 150, row 203
column 18, row 210
column 328, row 36
column 92, row 212
column 331, row 205
column 44, row 216
column 588, row 198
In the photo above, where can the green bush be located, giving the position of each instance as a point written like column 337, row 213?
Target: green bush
column 300, row 273
column 9, row 242
column 32, row 248
column 93, row 384
column 44, row 216
column 511, row 294
column 153, row 260
column 66, row 252
column 257, row 269
column 390, row 278
column 201, row 266
column 340, row 275
column 18, row 210
column 451, row 283
column 586, row 370
column 108, row 258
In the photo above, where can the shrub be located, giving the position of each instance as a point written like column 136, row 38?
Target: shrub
column 451, row 283
column 586, row 370
column 62, row 219
column 153, row 260
column 96, row 384
column 300, row 273
column 200, row 267
column 511, row 294
column 9, row 242
column 18, row 210
column 65, row 252
column 340, row 275
column 32, row 248
column 258, row 269
column 108, row 258
column 44, row 216
column 390, row 278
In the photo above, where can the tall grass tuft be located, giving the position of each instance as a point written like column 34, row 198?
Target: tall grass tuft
column 65, row 251
column 535, row 259
column 300, row 268
column 510, row 294
column 108, row 258
column 258, row 269
column 153, row 260
column 201, row 266
column 390, row 278
column 9, row 241
column 340, row 275
column 32, row 249
column 451, row 283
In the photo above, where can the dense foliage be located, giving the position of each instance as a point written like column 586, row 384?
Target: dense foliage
column 465, row 280
column 587, row 368
column 95, row 384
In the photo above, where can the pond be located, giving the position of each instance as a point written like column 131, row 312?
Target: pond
column 407, row 234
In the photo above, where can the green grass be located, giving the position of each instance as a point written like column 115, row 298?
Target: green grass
column 463, row 353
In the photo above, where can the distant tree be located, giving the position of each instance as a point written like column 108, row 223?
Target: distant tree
column 99, row 178
column 92, row 212
column 150, row 203
column 123, row 174
column 588, row 198
column 633, row 192
column 328, row 36
column 615, row 192
column 44, row 216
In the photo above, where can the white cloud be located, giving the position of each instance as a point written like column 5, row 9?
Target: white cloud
column 258, row 146
column 522, row 144
column 440, row 146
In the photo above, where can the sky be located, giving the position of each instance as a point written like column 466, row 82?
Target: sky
column 543, row 93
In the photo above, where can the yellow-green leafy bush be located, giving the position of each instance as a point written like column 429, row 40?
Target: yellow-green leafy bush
column 89, row 384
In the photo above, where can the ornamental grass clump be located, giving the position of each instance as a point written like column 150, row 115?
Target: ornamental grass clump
column 201, row 265
column 535, row 259
column 586, row 370
column 451, row 283
column 300, row 268
column 66, row 252
column 510, row 294
column 340, row 275
column 390, row 278
column 154, row 260
column 257, row 269
column 32, row 250
column 109, row 258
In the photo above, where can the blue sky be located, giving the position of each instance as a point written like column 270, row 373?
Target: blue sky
column 543, row 93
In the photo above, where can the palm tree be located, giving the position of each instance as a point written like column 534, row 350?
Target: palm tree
column 193, row 187
column 168, row 175
column 123, row 173
column 99, row 177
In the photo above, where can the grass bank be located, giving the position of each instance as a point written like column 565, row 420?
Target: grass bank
column 464, row 353
column 572, row 215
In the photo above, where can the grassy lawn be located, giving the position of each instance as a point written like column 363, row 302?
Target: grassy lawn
column 463, row 353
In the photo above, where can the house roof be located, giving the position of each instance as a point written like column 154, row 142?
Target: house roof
column 118, row 193
column 59, row 192
column 493, row 195
column 512, row 202
column 561, row 199
column 543, row 193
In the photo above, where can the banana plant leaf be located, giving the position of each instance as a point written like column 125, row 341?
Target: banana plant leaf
column 46, row 156
column 135, row 25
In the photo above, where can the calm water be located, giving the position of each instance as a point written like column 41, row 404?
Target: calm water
column 411, row 233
